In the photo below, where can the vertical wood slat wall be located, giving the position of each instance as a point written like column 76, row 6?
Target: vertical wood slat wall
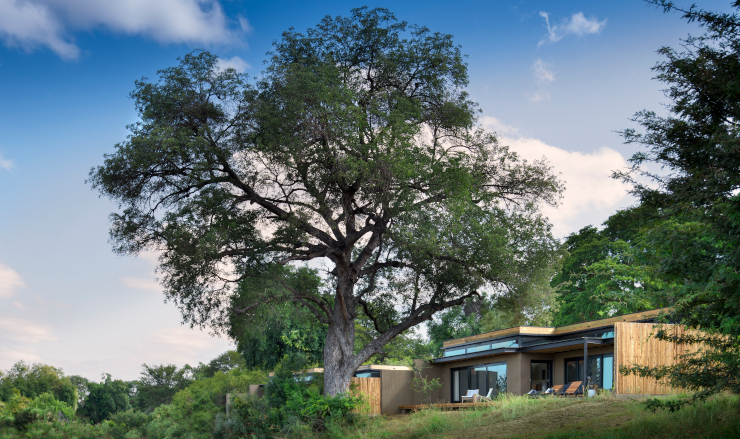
column 370, row 389
column 634, row 343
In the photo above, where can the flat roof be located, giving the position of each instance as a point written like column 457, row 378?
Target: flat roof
column 543, row 330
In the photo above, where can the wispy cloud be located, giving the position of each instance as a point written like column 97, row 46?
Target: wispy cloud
column 40, row 301
column 6, row 164
column 138, row 283
column 25, row 331
column 499, row 127
column 577, row 24
column 10, row 281
column 234, row 62
column 543, row 77
column 50, row 23
column 542, row 72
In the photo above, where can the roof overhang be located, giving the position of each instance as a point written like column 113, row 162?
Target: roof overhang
column 549, row 331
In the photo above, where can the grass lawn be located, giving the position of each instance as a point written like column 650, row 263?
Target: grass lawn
column 560, row 418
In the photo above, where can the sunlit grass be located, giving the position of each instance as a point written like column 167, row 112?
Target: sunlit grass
column 718, row 418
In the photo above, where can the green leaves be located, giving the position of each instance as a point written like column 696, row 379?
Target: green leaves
column 357, row 146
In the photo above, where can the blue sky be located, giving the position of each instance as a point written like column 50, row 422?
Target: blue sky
column 552, row 78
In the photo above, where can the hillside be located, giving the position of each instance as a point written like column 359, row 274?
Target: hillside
column 601, row 417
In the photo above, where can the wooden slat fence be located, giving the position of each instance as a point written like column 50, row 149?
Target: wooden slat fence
column 634, row 343
column 370, row 389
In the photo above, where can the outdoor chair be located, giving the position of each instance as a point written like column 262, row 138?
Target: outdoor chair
column 486, row 398
column 555, row 390
column 574, row 389
column 471, row 395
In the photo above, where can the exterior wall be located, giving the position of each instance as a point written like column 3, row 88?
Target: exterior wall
column 395, row 390
column 636, row 346
column 429, row 372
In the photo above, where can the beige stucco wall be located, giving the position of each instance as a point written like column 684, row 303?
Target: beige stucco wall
column 395, row 390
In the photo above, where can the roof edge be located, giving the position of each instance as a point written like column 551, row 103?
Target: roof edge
column 544, row 330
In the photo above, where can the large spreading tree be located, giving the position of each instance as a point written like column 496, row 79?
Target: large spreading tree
column 359, row 147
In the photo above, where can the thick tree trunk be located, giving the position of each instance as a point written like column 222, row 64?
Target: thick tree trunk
column 339, row 359
column 339, row 363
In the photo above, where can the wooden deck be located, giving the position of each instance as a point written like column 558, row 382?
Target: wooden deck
column 445, row 406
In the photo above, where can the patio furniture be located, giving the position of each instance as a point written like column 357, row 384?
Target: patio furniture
column 471, row 395
column 486, row 398
column 574, row 389
column 555, row 390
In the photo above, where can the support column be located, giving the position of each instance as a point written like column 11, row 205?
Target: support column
column 585, row 363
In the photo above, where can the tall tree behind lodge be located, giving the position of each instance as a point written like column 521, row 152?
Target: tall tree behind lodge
column 358, row 145
column 697, row 194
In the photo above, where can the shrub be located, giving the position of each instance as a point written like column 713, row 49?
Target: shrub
column 130, row 421
column 292, row 406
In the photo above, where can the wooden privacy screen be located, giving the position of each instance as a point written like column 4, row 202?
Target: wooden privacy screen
column 634, row 343
column 370, row 389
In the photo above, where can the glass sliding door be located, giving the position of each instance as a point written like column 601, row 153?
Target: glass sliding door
column 497, row 377
column 600, row 370
column 539, row 378
column 485, row 378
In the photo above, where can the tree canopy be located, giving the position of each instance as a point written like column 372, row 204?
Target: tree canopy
column 358, row 146
column 697, row 194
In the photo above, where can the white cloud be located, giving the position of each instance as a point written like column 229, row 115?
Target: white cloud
column 19, row 305
column 182, row 338
column 8, row 356
column 234, row 62
column 40, row 301
column 138, row 283
column 48, row 23
column 10, row 280
column 591, row 195
column 541, row 95
column 6, row 164
column 499, row 127
column 151, row 257
column 578, row 24
column 543, row 74
column 25, row 331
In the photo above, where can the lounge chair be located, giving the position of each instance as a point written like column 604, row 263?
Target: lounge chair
column 574, row 389
column 555, row 390
column 486, row 398
column 471, row 395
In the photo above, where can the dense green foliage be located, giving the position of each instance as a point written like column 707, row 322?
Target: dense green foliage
column 292, row 406
column 157, row 385
column 223, row 363
column 610, row 272
column 106, row 398
column 697, row 195
column 36, row 379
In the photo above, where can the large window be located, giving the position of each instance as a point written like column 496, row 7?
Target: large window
column 482, row 378
column 601, row 370
column 511, row 343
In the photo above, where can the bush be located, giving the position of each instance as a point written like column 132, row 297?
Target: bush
column 130, row 421
column 194, row 409
column 291, row 406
